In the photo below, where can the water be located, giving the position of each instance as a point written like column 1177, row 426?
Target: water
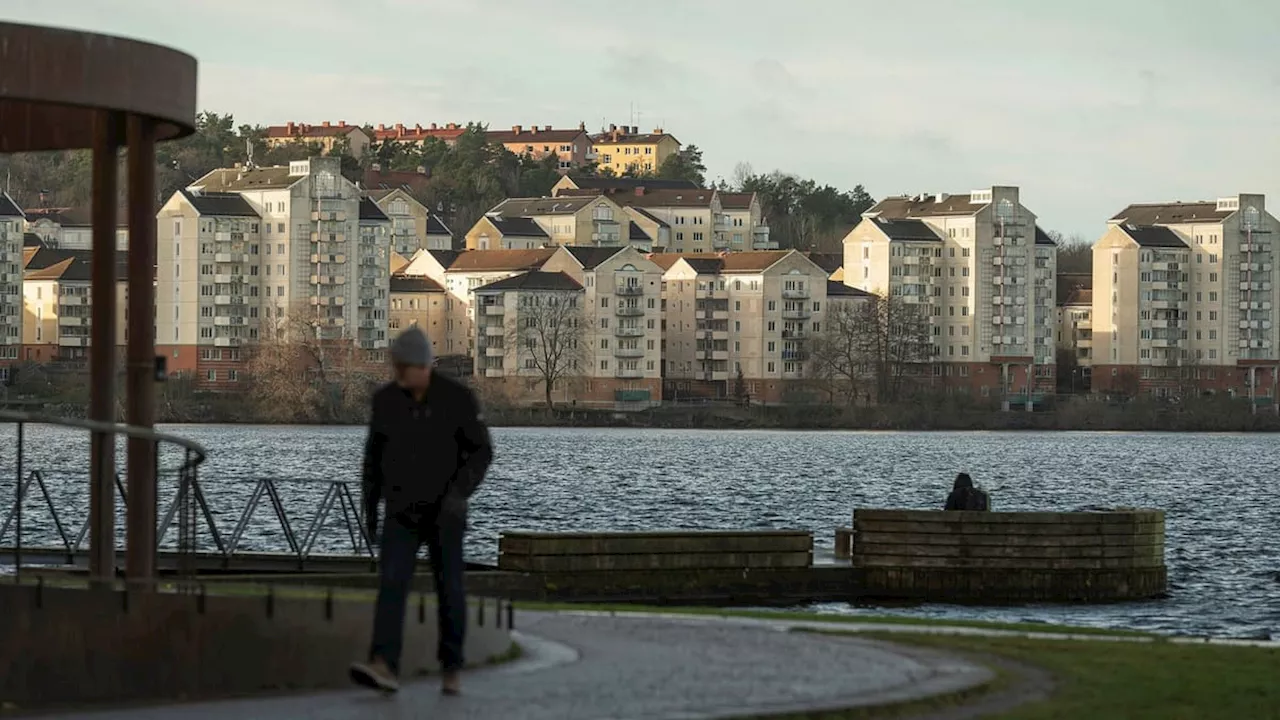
column 1219, row 493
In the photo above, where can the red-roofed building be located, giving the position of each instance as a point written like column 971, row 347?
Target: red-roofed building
column 326, row 135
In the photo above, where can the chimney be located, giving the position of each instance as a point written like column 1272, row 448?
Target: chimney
column 433, row 126
column 399, row 126
column 614, row 132
column 940, row 197
column 516, row 129
column 342, row 123
column 289, row 127
column 533, row 129
column 417, row 128
column 325, row 123
column 658, row 131
column 582, row 126
column 382, row 127
column 546, row 128
column 612, row 127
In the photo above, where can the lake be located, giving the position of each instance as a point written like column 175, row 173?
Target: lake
column 1219, row 493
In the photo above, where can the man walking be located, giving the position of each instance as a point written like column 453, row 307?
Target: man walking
column 427, row 452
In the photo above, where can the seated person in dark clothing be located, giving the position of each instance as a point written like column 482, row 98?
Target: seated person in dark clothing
column 964, row 496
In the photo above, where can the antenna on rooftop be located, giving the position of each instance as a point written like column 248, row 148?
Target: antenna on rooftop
column 248, row 151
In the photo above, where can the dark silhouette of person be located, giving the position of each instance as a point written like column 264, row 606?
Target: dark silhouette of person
column 965, row 496
column 427, row 452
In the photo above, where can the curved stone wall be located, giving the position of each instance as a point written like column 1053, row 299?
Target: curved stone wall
column 1010, row 556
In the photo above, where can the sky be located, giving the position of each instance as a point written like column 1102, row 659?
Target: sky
column 1087, row 106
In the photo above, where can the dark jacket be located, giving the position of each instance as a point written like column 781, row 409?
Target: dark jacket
column 424, row 455
column 964, row 496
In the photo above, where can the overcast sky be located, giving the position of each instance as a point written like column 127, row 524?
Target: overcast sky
column 1087, row 105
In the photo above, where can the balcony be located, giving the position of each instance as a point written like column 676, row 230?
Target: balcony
column 710, row 292
column 796, row 314
column 228, row 300
column 628, row 331
column 795, row 293
column 795, row 355
column 495, row 330
column 708, row 355
column 492, row 310
column 493, row 372
column 628, row 352
column 328, row 279
column 227, row 342
column 494, row 350
column 73, row 341
column 228, row 320
column 629, row 290
column 72, row 321
column 629, row 311
column 228, row 279
column 720, row 241
column 328, row 216
column 74, row 300
column 793, row 335
column 629, row 373
column 223, row 257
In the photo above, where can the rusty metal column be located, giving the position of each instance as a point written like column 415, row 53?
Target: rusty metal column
column 140, row 388
column 102, row 349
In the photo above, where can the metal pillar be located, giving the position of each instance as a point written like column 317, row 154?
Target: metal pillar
column 102, row 348
column 140, row 547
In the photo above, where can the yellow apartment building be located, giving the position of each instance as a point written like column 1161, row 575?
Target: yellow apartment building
column 1075, row 326
column 423, row 302
column 1184, row 294
column 741, row 324
column 57, row 299
column 326, row 135
column 413, row 226
column 983, row 270
column 528, row 223
column 627, row 150
column 571, row 147
column 12, row 226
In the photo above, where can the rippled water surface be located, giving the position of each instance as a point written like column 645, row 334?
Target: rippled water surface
column 1221, row 494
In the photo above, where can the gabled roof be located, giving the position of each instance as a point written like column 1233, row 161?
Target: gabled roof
column 839, row 289
column 906, row 206
column 68, row 265
column 706, row 265
column 591, row 257
column 751, row 262
column 650, row 216
column 305, row 130
column 830, row 262
column 449, row 132
column 906, row 230
column 220, row 204
column 533, row 134
column 381, row 183
column 518, row 227
column 1077, row 296
column 622, row 138
column 528, row 207
column 1042, row 237
column 446, row 258
column 736, row 201
column 1153, row 236
column 1171, row 213
column 64, row 216
column 231, row 179
column 9, row 208
column 1070, row 282
column 697, row 197
column 614, row 184
column 535, row 280
column 31, row 240
column 407, row 284
column 370, row 211
column 497, row 260
column 436, row 226
column 667, row 260
column 637, row 234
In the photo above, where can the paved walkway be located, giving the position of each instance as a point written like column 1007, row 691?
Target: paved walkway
column 601, row 667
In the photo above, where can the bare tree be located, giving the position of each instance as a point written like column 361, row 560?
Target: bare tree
column 840, row 364
column 896, row 342
column 550, row 336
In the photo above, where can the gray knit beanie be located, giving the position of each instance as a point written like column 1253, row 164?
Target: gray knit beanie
column 412, row 347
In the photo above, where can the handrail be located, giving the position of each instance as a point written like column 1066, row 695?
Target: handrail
column 196, row 452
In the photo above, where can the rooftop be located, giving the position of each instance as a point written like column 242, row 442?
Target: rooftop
column 517, row 227
column 533, row 133
column 637, row 234
column 1153, row 236
column 68, row 265
column 496, row 260
column 382, row 182
column 9, row 208
column 830, row 262
column 629, row 135
column 925, row 205
column 642, row 196
column 615, row 184
column 530, row 206
column 369, row 210
column 736, row 201
column 418, row 133
column 1077, row 296
column 304, row 130
column 535, row 280
column 407, row 284
column 839, row 289
column 219, row 204
column 1042, row 237
column 232, row 179
column 1171, row 213
column 591, row 257
column 906, row 230
column 64, row 216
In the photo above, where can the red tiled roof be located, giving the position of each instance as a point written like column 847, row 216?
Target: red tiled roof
column 498, row 260
column 534, row 134
column 304, row 130
column 417, row 133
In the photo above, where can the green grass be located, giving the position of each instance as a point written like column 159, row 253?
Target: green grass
column 817, row 617
column 1124, row 681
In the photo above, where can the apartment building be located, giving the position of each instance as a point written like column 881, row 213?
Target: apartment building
column 571, row 147
column 1075, row 326
column 1185, row 294
column 617, row 185
column 461, row 273
column 423, row 302
column 286, row 245
column 623, row 310
column 413, row 226
column 627, row 150
column 12, row 226
column 527, row 223
column 741, row 224
column 68, row 228
column 529, row 338
column 57, row 297
column 984, row 273
column 326, row 135
column 419, row 135
column 740, row 324
column 690, row 215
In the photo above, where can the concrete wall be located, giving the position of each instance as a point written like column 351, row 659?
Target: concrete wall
column 76, row 647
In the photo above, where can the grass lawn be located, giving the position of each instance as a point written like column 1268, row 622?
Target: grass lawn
column 1124, row 681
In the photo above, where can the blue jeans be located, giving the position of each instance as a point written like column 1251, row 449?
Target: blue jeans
column 401, row 538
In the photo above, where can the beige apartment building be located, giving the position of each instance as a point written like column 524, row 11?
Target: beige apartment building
column 741, row 324
column 527, row 223
column 57, row 299
column 625, row 149
column 413, row 226
column 984, row 272
column 571, row 147
column 12, row 225
column 423, row 302
column 327, row 135
column 1075, row 326
column 67, row 228
column 284, row 245
column 681, row 220
column 740, row 225
column 529, row 332
column 1184, row 295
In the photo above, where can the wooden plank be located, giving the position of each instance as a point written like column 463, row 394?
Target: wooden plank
column 907, row 561
column 653, row 534
column 973, row 539
column 650, row 543
column 1066, row 552
column 1049, row 518
column 689, row 561
column 998, row 529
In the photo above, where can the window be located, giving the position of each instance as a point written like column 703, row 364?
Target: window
column 212, row 375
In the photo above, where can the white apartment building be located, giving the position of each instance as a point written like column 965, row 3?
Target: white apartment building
column 12, row 225
column 285, row 244
column 985, row 273
column 1186, row 292
column 66, row 228
column 740, row 319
